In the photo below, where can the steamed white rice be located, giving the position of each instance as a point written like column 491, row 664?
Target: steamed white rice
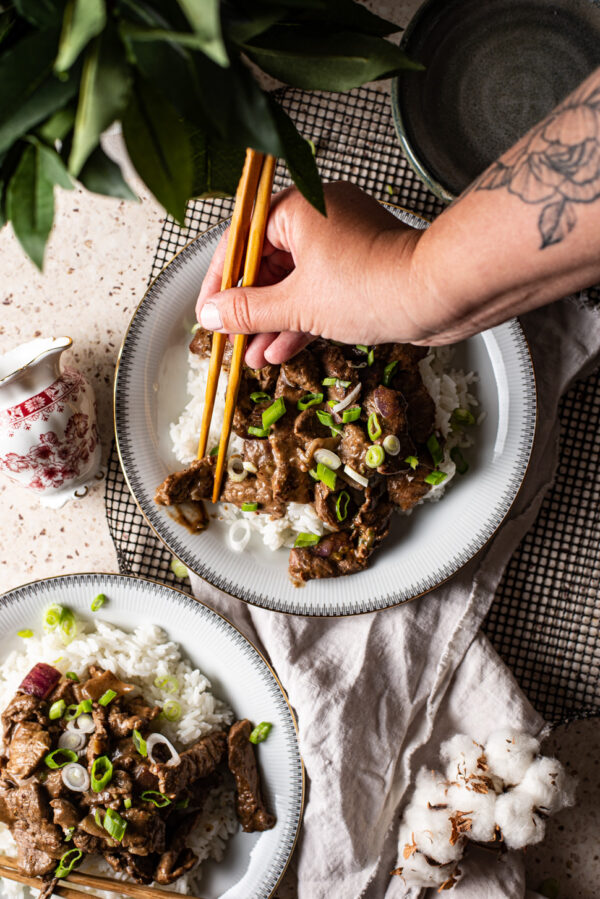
column 450, row 388
column 140, row 658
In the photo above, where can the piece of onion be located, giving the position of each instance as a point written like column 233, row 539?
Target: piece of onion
column 40, row 681
column 364, row 482
column 160, row 740
column 251, row 467
column 235, row 469
column 239, row 535
column 391, row 445
column 70, row 739
column 348, row 400
column 328, row 458
column 84, row 724
column 75, row 777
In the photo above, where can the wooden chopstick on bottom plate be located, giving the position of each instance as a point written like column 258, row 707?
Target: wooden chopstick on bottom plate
column 236, row 244
column 10, row 870
column 256, row 239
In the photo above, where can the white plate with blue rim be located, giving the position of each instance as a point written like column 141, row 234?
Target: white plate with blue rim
column 253, row 864
column 422, row 550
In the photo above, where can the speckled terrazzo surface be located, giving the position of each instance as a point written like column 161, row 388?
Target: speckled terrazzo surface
column 96, row 272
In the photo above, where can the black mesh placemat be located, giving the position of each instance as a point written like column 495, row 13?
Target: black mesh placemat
column 545, row 618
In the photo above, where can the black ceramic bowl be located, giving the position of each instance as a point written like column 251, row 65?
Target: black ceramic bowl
column 493, row 69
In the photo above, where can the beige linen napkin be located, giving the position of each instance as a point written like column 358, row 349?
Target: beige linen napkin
column 376, row 694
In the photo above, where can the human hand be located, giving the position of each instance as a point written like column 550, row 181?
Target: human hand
column 345, row 277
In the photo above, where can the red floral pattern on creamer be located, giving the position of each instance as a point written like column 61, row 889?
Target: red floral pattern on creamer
column 43, row 404
column 53, row 461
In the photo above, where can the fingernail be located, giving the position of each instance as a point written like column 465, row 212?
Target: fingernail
column 210, row 317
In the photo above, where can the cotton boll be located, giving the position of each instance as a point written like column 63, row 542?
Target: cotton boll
column 461, row 755
column 418, row 872
column 510, row 754
column 517, row 819
column 481, row 808
column 430, row 788
column 548, row 785
column 431, row 831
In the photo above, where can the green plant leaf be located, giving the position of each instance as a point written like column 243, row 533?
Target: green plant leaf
column 29, row 92
column 217, row 165
column 348, row 16
column 242, row 22
column 41, row 13
column 103, row 96
column 205, row 19
column 102, row 175
column 30, row 204
column 83, row 20
column 160, row 148
column 58, row 125
column 300, row 159
column 337, row 62
column 7, row 20
column 52, row 166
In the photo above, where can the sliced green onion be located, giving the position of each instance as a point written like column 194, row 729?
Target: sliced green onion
column 326, row 475
column 159, row 799
column 259, row 396
column 362, row 348
column 195, row 328
column 52, row 617
column 98, row 602
column 183, row 803
column 391, row 444
column 412, row 461
column 25, row 634
column 309, row 399
column 67, row 625
column 459, row 460
column 69, row 834
column 331, row 403
column 70, row 675
column 249, row 507
column 57, row 709
column 274, row 412
column 375, row 456
column 64, row 756
column 127, row 803
column 98, row 817
column 351, row 414
column 140, row 743
column 326, row 418
column 313, row 474
column 107, row 697
column 329, row 382
column 341, row 505
column 86, row 706
column 74, row 711
column 114, row 824
column 462, row 417
column 67, row 863
column 258, row 432
column 179, row 569
column 433, row 445
column 344, row 384
column 101, row 773
column 371, row 357
column 336, row 430
column 214, row 451
column 435, row 477
column 373, row 426
column 388, row 372
column 304, row 539
column 260, row 732
column 167, row 684
column 171, row 710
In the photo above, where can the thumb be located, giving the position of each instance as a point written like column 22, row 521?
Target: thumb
column 252, row 310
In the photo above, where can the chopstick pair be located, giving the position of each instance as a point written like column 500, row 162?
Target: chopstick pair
column 246, row 236
column 10, row 870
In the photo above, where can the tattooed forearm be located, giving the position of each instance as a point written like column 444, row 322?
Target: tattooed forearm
column 557, row 165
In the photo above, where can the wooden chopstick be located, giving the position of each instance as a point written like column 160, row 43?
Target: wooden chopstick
column 236, row 242
column 256, row 239
column 9, row 869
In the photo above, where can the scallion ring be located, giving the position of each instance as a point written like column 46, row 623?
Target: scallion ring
column 67, row 625
column 462, row 417
column 326, row 475
column 260, row 732
column 52, row 617
column 179, row 569
column 327, row 457
column 371, row 357
column 352, row 414
column 114, row 825
column 25, row 634
column 239, row 534
column 67, row 863
column 98, row 602
column 102, row 772
column 249, row 507
column 356, row 476
column 75, row 778
column 59, row 758
column 107, row 697
column 309, row 399
column 388, row 372
column 69, row 834
column 84, row 724
column 375, row 456
column 98, row 817
column 304, row 539
column 251, row 467
column 435, row 478
column 70, row 739
column 167, row 683
column 348, row 400
column 259, row 396
column 127, row 803
column 433, row 445
column 362, row 348
column 140, row 743
column 258, row 432
column 214, row 451
column 412, row 461
column 326, row 418
column 155, row 740
column 391, row 445
column 158, row 799
column 274, row 412
column 373, row 426
column 235, row 469
column 70, row 675
column 57, row 709
column 171, row 710
column 341, row 505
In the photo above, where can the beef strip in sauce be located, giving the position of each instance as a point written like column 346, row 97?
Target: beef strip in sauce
column 47, row 817
column 386, row 385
